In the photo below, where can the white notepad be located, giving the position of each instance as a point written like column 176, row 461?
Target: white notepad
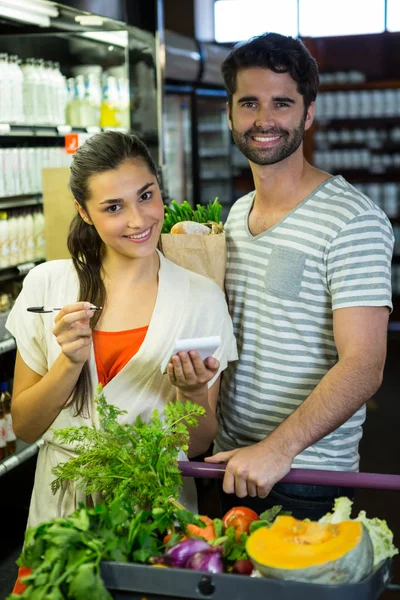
column 205, row 347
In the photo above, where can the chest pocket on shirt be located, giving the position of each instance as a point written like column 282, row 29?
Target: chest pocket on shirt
column 285, row 272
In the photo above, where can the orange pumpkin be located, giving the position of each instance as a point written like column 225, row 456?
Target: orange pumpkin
column 308, row 551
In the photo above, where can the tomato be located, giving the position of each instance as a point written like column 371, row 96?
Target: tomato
column 240, row 518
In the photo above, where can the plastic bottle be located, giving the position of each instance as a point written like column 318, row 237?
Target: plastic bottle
column 16, row 90
column 6, row 98
column 13, row 239
column 29, row 236
column 109, row 116
column 4, row 242
column 60, row 96
column 39, row 235
column 21, row 238
column 5, row 402
column 30, row 88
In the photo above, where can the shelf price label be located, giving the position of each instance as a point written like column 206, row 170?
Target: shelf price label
column 24, row 268
column 5, row 129
column 64, row 129
column 71, row 143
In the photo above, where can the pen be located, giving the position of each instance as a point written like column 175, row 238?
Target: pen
column 44, row 309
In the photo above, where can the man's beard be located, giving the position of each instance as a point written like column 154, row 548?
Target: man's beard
column 269, row 156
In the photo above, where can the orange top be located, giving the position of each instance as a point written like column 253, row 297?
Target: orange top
column 114, row 349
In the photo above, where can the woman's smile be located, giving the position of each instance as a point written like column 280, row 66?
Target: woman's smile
column 140, row 238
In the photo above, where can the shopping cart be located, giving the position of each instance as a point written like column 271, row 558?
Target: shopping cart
column 134, row 581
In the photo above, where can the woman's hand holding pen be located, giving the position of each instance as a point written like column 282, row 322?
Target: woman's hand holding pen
column 72, row 331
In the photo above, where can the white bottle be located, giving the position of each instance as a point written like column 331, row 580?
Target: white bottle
column 21, row 238
column 39, row 235
column 29, row 236
column 60, row 88
column 6, row 103
column 4, row 241
column 30, row 88
column 13, row 239
column 16, row 90
column 43, row 92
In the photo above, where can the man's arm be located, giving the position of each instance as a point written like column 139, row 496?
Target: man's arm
column 360, row 337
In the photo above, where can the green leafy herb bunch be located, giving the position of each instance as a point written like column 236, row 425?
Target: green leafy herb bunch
column 136, row 461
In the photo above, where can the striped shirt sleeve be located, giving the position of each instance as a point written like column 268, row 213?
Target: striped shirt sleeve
column 359, row 262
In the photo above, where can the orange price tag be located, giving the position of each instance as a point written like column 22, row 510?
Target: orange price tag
column 71, row 143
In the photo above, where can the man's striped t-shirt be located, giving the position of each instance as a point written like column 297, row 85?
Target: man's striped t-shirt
column 333, row 250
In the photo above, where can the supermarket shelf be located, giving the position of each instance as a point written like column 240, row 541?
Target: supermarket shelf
column 362, row 85
column 20, row 270
column 20, row 201
column 24, row 452
column 351, row 122
column 7, row 345
column 49, row 130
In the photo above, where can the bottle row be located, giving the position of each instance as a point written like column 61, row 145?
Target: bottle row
column 357, row 104
column 7, row 436
column 21, row 168
column 22, row 237
column 36, row 92
column 95, row 101
column 345, row 159
column 371, row 137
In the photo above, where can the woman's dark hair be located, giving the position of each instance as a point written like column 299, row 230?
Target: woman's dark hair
column 281, row 54
column 100, row 153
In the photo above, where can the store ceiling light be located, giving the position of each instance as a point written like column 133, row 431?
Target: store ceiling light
column 33, row 12
column 90, row 20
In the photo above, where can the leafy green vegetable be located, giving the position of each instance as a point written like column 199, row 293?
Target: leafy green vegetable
column 233, row 549
column 138, row 461
column 136, row 469
column 65, row 554
column 209, row 213
column 380, row 534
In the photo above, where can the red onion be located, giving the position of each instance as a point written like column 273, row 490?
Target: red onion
column 182, row 551
column 207, row 560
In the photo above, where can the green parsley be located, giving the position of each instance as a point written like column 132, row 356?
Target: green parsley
column 138, row 461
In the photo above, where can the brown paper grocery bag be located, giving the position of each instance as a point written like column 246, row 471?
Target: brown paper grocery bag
column 203, row 254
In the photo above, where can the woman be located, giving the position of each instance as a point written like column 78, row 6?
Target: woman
column 147, row 304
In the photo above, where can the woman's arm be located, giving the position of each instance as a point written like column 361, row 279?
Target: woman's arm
column 190, row 375
column 38, row 400
column 202, row 436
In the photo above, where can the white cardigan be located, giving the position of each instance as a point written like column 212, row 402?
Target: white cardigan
column 187, row 306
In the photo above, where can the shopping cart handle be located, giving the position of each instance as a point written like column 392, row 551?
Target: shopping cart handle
column 308, row 476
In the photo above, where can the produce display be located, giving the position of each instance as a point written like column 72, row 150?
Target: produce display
column 182, row 218
column 140, row 519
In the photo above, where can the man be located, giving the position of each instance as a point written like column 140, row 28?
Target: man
column 308, row 285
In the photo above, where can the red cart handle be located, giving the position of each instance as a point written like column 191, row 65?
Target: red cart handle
column 308, row 476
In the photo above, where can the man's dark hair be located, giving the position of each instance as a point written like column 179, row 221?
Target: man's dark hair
column 281, row 54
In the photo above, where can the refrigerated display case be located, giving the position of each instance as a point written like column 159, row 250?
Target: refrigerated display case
column 198, row 147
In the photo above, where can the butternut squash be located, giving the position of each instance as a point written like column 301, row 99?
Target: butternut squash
column 307, row 551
